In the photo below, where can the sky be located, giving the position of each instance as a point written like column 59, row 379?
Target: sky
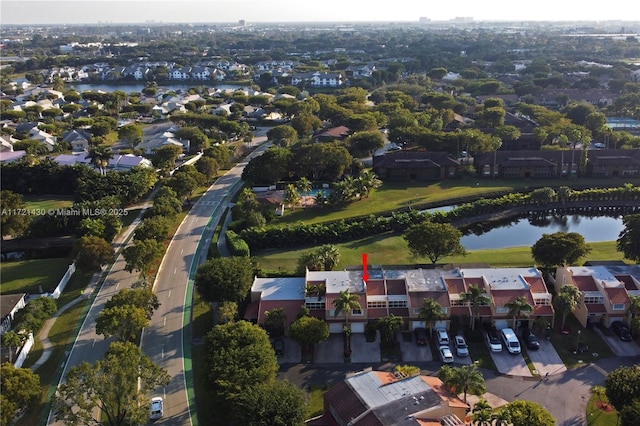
column 229, row 11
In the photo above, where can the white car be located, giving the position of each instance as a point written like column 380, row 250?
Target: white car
column 461, row 346
column 155, row 408
column 445, row 354
column 443, row 336
column 493, row 341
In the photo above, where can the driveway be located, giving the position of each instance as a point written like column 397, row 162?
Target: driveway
column 331, row 351
column 412, row 352
column 292, row 352
column 619, row 347
column 511, row 364
column 546, row 359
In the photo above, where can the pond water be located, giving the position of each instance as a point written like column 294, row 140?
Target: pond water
column 525, row 232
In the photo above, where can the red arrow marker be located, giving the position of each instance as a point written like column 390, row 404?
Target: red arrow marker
column 365, row 275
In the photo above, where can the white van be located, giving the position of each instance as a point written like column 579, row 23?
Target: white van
column 510, row 340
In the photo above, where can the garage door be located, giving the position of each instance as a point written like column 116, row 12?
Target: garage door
column 357, row 327
column 417, row 324
column 335, row 327
column 440, row 324
column 500, row 324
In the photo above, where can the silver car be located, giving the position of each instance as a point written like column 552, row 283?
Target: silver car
column 155, row 408
column 461, row 346
column 445, row 354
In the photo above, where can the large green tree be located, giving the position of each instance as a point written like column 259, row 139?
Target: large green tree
column 283, row 136
column 225, row 279
column 309, row 331
column 124, row 322
column 13, row 216
column 131, row 133
column 623, row 386
column 559, row 248
column 143, row 297
column 238, row 356
column 20, row 389
column 430, row 312
column 118, row 385
column 527, row 413
column 279, row 403
column 434, row 240
column 92, row 253
column 629, row 239
column 140, row 255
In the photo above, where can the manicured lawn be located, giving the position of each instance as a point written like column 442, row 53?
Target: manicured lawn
column 565, row 344
column 391, row 249
column 46, row 202
column 27, row 276
column 316, row 400
column 607, row 416
column 393, row 196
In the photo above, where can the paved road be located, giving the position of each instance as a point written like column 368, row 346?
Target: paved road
column 167, row 341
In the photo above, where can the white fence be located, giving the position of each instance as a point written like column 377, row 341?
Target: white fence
column 63, row 282
column 24, row 351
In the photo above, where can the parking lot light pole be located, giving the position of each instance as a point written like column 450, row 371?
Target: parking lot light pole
column 578, row 342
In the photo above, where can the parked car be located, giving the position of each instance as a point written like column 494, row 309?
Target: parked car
column 461, row 346
column 421, row 336
column 493, row 341
column 510, row 341
column 445, row 354
column 443, row 336
column 155, row 408
column 621, row 330
column 530, row 340
column 278, row 347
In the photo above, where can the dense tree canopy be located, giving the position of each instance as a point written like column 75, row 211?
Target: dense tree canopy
column 629, row 239
column 434, row 240
column 279, row 403
column 308, row 331
column 119, row 385
column 623, row 386
column 14, row 217
column 238, row 356
column 20, row 388
column 225, row 279
column 92, row 253
column 559, row 248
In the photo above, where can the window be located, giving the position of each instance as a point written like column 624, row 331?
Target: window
column 459, row 302
column 357, row 312
column 593, row 299
column 397, row 303
column 416, row 311
column 618, row 306
column 376, row 304
column 315, row 305
column 502, row 310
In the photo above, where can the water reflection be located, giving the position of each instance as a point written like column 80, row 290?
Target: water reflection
column 527, row 229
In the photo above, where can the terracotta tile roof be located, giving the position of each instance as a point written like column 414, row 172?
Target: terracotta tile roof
column 460, row 310
column 585, row 283
column 543, row 310
column 501, row 297
column 375, row 313
column 617, row 295
column 444, row 393
column 397, row 287
column 400, row 312
column 596, row 308
column 627, row 281
column 291, row 309
column 375, row 288
column 344, row 402
column 455, row 285
column 537, row 284
column 416, row 298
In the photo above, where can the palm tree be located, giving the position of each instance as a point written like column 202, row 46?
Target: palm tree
column 12, row 340
column 274, row 322
column 430, row 311
column 329, row 256
column 388, row 327
column 482, row 413
column 502, row 418
column 100, row 156
column 476, row 298
column 566, row 300
column 291, row 196
column 346, row 303
column 304, row 187
column 518, row 307
column 465, row 379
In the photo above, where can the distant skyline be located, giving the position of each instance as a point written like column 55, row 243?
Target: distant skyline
column 259, row 11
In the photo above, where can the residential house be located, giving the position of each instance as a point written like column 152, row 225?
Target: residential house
column 401, row 291
column 49, row 141
column 128, row 162
column 318, row 79
column 11, row 156
column 604, row 291
column 415, row 166
column 382, row 398
column 6, row 143
column 613, row 163
column 334, row 133
column 552, row 98
column 9, row 305
column 78, row 139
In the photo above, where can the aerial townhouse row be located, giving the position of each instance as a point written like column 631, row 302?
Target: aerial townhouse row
column 401, row 291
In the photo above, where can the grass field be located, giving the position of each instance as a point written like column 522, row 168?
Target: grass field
column 47, row 202
column 28, row 276
column 391, row 249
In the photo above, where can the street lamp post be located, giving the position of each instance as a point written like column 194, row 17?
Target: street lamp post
column 578, row 342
